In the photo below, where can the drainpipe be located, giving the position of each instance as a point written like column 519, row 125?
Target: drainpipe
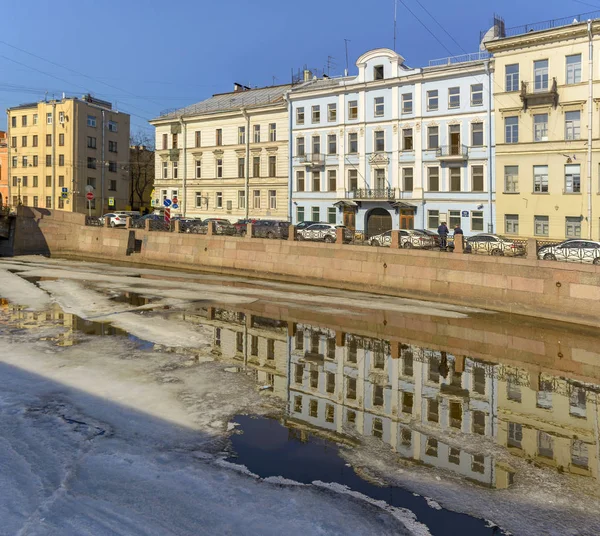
column 247, row 173
column 286, row 96
column 590, row 119
column 53, row 204
column 490, row 151
column 184, row 178
column 102, row 165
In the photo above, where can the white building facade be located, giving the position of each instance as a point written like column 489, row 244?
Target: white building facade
column 395, row 147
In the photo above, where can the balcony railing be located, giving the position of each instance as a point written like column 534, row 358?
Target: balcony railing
column 538, row 93
column 312, row 159
column 458, row 152
column 373, row 193
column 551, row 24
column 463, row 58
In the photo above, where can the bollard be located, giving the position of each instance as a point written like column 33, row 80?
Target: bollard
column 210, row 230
column 339, row 235
column 395, row 240
column 249, row 230
column 128, row 221
column 458, row 244
column 177, row 226
column 147, row 224
column 292, row 232
column 107, row 222
column 531, row 249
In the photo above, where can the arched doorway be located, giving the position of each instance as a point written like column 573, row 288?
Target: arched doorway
column 379, row 221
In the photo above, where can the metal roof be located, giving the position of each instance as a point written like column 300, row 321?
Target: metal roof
column 224, row 102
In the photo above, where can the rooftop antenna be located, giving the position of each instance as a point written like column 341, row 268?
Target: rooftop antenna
column 395, row 13
column 346, row 43
column 330, row 64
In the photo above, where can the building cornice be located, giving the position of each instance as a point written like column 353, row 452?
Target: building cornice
column 223, row 114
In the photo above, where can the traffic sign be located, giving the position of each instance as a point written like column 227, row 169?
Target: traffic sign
column 167, row 203
column 111, row 201
column 89, row 188
column 64, row 195
column 465, row 214
column 167, row 215
column 89, row 196
column 175, row 206
column 175, row 200
column 64, row 190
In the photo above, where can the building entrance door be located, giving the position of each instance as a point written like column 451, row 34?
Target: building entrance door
column 407, row 219
column 454, row 139
column 379, row 221
column 350, row 218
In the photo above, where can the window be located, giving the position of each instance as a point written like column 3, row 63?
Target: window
column 478, row 463
column 272, row 166
column 316, row 182
column 455, row 179
column 433, row 176
column 353, row 109
column 352, row 180
column 407, row 179
column 332, row 112
column 35, row 201
column 114, row 127
column 316, row 145
column 112, row 185
column 331, row 144
column 579, row 454
column 24, row 181
column 241, row 198
column 407, row 139
column 256, row 199
column 219, row 199
column 512, row 77
column 13, row 142
column 378, row 72
column 198, row 199
column 35, row 160
column 313, row 408
column 329, row 413
column 407, row 103
column 477, row 220
column 432, row 100
column 511, row 129
column 91, row 181
column 300, row 151
column 573, row 125
column 331, row 180
column 455, row 414
column 61, row 117
column 433, row 137
column 299, row 214
column 48, row 201
column 379, row 141
column 433, row 410
column 175, row 169
column 477, row 134
column 378, row 395
column 300, row 116
column 35, row 181
column 112, row 146
column 48, row 118
column 198, row 169
column 198, row 138
column 332, row 215
column 299, row 181
column 15, row 161
column 316, row 114
column 477, row 95
column 174, row 141
column 256, row 133
column 48, row 140
column 511, row 224
column 49, row 160
column 545, row 445
column 15, row 181
column 454, row 97
column 34, row 141
column 572, row 179
column 352, row 143
column 540, row 127
column 272, row 199
column 256, row 166
column 379, row 107
column 35, row 119
column 165, row 170
column 540, row 225
column 540, row 75
column 573, row 227
column 511, row 179
column 61, row 159
column 24, row 141
column 315, row 214
column 574, row 69
column 577, row 401
column 351, row 388
column 25, row 161
column 91, row 142
column 13, row 122
column 219, row 136
column 477, row 179
column 407, row 402
column 241, row 167
column 219, row 168
column 91, row 121
column 24, row 120
column 241, row 135
column 433, row 219
column 540, row 179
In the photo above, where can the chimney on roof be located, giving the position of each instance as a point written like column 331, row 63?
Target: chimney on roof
column 237, row 87
column 307, row 75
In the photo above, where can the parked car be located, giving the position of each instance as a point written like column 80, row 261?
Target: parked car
column 115, row 219
column 571, row 250
column 221, row 226
column 271, row 229
column 324, row 232
column 409, row 238
column 189, row 225
column 241, row 225
column 489, row 244
column 305, row 224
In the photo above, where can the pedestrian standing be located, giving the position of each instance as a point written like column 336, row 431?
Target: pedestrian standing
column 458, row 234
column 443, row 232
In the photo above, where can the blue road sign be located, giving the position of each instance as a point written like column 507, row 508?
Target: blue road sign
column 465, row 213
column 175, row 205
column 167, row 203
column 64, row 190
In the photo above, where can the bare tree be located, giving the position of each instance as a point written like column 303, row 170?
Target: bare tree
column 141, row 169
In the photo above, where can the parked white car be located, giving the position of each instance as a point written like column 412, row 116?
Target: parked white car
column 408, row 239
column 115, row 219
column 489, row 244
column 571, row 251
column 323, row 232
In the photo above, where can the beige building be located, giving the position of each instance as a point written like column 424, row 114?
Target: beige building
column 227, row 156
column 59, row 147
column 547, row 149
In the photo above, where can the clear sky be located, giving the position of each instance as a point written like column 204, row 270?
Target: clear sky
column 150, row 55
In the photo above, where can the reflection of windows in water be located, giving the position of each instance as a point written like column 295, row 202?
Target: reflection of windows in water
column 299, row 340
column 352, row 351
column 328, row 412
column 406, row 437
column 298, row 373
column 331, row 348
column 433, row 410
column 456, row 414
column 271, row 380
column 254, row 346
column 544, row 395
column 479, row 422
column 577, row 402
column 479, row 380
column 434, row 369
column 545, row 445
column 407, row 361
column 513, row 389
column 431, row 449
column 270, row 349
column 477, row 463
column 378, row 359
column 457, row 378
column 407, row 402
column 314, row 379
column 351, row 388
column 377, row 395
column 217, row 336
column 351, row 416
column 579, row 453
column 515, row 434
column 314, row 343
column 454, row 456
column 330, row 382
column 239, row 342
column 298, row 404
column 378, row 428
column 313, row 408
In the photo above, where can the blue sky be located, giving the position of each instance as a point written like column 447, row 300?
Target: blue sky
column 149, row 56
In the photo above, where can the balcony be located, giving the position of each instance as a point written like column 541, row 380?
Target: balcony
column 376, row 194
column 312, row 160
column 537, row 93
column 455, row 152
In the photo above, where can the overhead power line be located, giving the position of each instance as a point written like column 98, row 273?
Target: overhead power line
column 426, row 27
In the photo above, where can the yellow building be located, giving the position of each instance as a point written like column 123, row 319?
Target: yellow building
column 58, row 148
column 547, row 154
column 227, row 156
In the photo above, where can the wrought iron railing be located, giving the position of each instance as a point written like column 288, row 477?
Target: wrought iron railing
column 463, row 58
column 93, row 221
column 314, row 159
column 538, row 87
column 138, row 223
column 459, row 151
column 373, row 193
column 193, row 227
column 160, row 225
column 554, row 23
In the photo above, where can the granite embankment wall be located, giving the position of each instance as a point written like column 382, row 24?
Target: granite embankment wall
column 552, row 290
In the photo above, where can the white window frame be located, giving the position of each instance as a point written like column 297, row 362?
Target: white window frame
column 379, row 138
column 511, row 224
column 476, row 94
column 198, row 169
column 511, row 79
column 454, row 97
column 300, row 115
column 540, row 127
column 540, row 180
column 272, row 199
column 352, row 110
column 433, row 97
column 573, row 70
column 572, row 177
column 511, row 131
column 407, row 103
column 379, row 106
column 332, row 112
column 572, row 125
column 315, row 114
column 541, row 225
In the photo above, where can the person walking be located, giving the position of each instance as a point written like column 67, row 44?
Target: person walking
column 443, row 232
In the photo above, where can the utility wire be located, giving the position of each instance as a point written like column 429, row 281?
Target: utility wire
column 426, row 27
column 444, row 29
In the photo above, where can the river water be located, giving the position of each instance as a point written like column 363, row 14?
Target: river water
column 461, row 420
